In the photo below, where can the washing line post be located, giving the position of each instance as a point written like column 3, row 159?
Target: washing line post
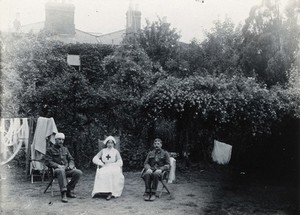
column 30, row 140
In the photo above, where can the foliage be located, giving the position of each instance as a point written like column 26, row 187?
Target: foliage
column 220, row 50
column 129, row 73
column 187, row 94
column 221, row 99
column 230, row 108
column 270, row 43
column 49, row 87
column 161, row 43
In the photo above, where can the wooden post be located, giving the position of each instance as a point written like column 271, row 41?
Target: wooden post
column 30, row 140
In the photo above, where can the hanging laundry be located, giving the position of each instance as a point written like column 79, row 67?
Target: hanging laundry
column 13, row 133
column 2, row 138
column 172, row 176
column 45, row 128
column 221, row 152
column 16, row 128
column 24, row 133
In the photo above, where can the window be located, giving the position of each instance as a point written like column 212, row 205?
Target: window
column 74, row 61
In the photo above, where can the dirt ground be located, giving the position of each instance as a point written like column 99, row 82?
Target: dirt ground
column 210, row 190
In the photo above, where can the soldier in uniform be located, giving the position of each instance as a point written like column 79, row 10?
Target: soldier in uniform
column 61, row 161
column 157, row 161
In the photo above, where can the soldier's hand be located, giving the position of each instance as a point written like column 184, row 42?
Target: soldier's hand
column 158, row 171
column 149, row 171
column 71, row 167
column 61, row 167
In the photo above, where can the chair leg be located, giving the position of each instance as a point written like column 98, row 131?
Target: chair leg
column 164, row 186
column 160, row 193
column 52, row 188
column 49, row 184
column 43, row 175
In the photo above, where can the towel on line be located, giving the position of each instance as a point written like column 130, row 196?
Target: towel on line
column 221, row 152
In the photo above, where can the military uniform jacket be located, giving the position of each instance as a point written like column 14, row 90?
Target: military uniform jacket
column 58, row 155
column 157, row 159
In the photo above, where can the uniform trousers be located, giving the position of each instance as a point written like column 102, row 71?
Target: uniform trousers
column 62, row 175
column 151, row 181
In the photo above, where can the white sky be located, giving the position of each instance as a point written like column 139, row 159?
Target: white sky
column 189, row 17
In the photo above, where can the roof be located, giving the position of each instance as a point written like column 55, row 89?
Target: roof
column 78, row 37
column 114, row 38
column 33, row 27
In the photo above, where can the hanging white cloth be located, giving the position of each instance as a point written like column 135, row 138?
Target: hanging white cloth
column 14, row 132
column 109, row 178
column 45, row 128
column 2, row 138
column 221, row 152
column 24, row 133
column 172, row 176
column 16, row 128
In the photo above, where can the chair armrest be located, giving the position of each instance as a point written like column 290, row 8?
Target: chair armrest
column 38, row 160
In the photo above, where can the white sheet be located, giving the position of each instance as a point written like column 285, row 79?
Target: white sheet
column 221, row 152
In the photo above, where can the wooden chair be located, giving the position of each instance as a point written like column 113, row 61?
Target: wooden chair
column 38, row 169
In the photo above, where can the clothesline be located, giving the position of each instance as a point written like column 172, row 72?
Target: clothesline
column 13, row 134
column 30, row 132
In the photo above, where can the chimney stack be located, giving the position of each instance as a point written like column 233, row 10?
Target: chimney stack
column 60, row 17
column 133, row 20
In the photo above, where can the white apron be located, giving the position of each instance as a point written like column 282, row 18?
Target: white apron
column 109, row 178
